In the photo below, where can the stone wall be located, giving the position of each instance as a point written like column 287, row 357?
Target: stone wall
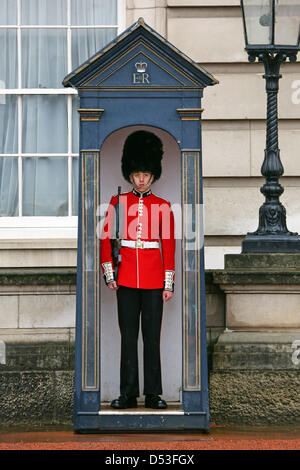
column 254, row 379
column 36, row 381
column 253, row 375
column 37, row 317
column 38, row 344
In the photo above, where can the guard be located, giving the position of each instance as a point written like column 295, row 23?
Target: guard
column 144, row 278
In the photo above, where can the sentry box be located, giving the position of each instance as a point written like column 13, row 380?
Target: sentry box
column 141, row 81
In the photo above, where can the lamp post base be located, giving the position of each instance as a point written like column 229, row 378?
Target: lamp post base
column 285, row 243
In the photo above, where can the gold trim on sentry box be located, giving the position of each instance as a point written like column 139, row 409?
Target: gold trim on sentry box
column 95, row 383
column 196, row 364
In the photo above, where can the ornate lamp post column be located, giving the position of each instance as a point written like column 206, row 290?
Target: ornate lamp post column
column 272, row 34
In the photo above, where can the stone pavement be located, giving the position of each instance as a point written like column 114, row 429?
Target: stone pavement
column 218, row 438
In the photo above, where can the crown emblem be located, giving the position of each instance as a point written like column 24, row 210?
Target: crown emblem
column 141, row 67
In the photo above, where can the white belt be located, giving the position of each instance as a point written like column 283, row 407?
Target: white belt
column 139, row 244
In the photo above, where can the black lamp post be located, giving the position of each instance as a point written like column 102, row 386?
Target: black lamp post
column 272, row 34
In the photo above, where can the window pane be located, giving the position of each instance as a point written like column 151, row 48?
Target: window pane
column 75, row 124
column 75, row 184
column 258, row 14
column 8, row 9
column 8, row 58
column 89, row 12
column 44, row 58
column 287, row 14
column 45, row 124
column 9, row 124
column 8, row 186
column 86, row 42
column 45, row 186
column 44, row 12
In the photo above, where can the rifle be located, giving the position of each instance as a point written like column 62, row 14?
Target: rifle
column 115, row 242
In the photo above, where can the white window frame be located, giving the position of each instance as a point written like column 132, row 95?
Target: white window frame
column 46, row 227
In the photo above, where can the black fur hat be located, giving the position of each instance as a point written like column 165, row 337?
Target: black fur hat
column 142, row 151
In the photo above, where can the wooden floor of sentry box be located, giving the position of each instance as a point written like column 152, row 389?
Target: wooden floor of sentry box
column 173, row 408
column 141, row 419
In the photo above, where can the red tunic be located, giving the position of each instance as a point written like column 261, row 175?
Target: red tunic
column 146, row 217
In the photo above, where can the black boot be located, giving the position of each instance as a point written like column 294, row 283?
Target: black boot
column 124, row 402
column 155, row 402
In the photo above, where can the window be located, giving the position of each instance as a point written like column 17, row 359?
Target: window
column 41, row 42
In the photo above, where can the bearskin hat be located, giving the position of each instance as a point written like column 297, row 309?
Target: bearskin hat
column 142, row 151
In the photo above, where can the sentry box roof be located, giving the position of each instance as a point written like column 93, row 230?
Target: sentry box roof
column 126, row 61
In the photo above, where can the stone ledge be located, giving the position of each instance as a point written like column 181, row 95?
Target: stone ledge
column 39, row 350
column 260, row 337
column 37, row 276
column 38, row 244
column 267, row 261
column 257, row 351
column 39, row 357
column 28, row 276
column 34, row 335
column 256, row 277
column 264, row 269
column 253, row 268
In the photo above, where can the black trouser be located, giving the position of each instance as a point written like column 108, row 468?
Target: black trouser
column 131, row 303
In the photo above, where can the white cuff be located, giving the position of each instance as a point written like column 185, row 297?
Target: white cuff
column 108, row 272
column 169, row 280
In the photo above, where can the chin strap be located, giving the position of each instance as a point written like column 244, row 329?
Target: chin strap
column 150, row 182
column 146, row 186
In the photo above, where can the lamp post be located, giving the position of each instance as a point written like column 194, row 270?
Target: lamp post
column 272, row 34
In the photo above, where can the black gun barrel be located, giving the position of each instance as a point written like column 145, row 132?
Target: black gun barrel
column 117, row 214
